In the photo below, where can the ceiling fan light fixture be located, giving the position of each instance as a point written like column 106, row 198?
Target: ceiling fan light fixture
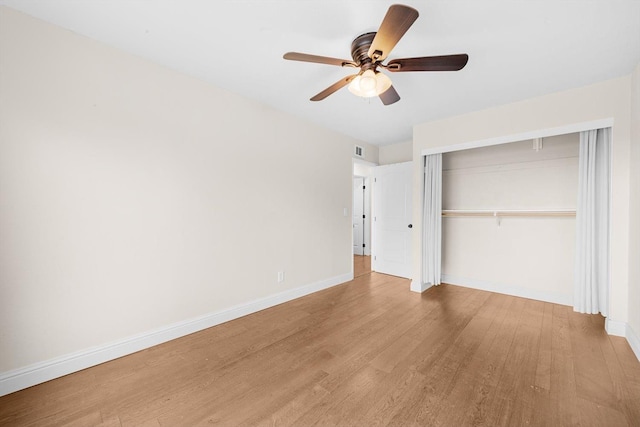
column 370, row 49
column 369, row 84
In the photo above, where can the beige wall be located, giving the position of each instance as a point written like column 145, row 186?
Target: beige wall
column 609, row 99
column 134, row 197
column 634, row 229
column 396, row 153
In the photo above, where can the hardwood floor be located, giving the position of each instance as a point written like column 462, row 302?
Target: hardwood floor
column 368, row 352
column 361, row 265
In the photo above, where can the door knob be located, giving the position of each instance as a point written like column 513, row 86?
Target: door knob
column 410, row 225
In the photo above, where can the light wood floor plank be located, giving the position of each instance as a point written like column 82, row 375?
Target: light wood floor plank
column 479, row 379
column 361, row 265
column 562, row 390
column 365, row 353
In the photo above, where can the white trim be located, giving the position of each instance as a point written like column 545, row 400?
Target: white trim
column 515, row 291
column 363, row 161
column 28, row 376
column 541, row 133
column 416, row 286
column 615, row 327
column 634, row 341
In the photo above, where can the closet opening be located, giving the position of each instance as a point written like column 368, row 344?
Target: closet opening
column 510, row 215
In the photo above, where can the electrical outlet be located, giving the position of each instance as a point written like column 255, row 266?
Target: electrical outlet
column 280, row 276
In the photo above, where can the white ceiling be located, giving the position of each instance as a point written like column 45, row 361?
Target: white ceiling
column 517, row 49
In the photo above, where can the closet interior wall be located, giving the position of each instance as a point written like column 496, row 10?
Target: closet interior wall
column 529, row 256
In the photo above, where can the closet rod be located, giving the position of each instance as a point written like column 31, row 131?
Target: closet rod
column 505, row 213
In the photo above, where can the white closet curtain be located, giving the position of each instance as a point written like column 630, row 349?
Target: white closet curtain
column 591, row 278
column 432, row 220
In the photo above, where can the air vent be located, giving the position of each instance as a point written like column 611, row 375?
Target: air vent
column 359, row 151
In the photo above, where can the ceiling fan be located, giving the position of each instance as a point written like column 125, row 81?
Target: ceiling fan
column 370, row 49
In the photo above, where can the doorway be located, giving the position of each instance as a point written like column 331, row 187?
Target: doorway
column 361, row 217
column 361, row 223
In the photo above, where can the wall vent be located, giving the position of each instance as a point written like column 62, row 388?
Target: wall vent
column 359, row 151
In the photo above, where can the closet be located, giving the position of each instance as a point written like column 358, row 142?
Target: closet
column 508, row 217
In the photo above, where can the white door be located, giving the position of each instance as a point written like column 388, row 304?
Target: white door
column 358, row 216
column 392, row 217
column 366, row 241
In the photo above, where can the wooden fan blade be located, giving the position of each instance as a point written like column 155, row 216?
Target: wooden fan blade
column 305, row 57
column 389, row 96
column 395, row 23
column 429, row 63
column 334, row 87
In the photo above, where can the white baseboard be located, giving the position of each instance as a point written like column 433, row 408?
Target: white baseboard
column 508, row 289
column 614, row 327
column 417, row 286
column 622, row 329
column 634, row 341
column 28, row 376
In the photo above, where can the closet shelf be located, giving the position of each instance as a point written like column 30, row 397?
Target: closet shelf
column 506, row 213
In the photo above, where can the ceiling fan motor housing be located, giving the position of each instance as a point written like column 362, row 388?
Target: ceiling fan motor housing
column 359, row 51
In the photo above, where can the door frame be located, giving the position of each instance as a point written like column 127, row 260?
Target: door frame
column 365, row 222
column 368, row 169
